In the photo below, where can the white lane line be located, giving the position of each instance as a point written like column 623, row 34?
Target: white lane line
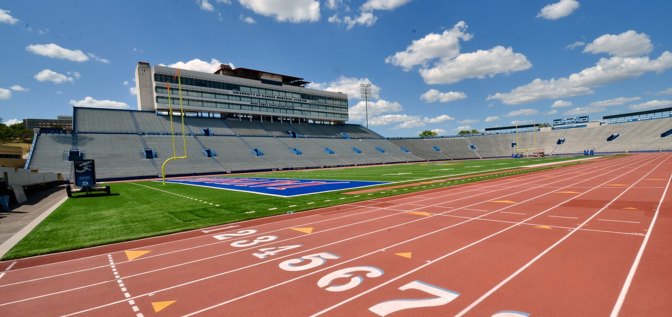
column 122, row 287
column 7, row 269
column 621, row 221
column 563, row 217
column 218, row 229
column 635, row 264
column 554, row 245
column 469, row 245
column 322, row 246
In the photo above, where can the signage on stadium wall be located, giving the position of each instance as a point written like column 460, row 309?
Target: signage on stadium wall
column 280, row 187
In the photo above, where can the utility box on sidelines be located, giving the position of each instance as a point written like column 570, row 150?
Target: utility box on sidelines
column 85, row 178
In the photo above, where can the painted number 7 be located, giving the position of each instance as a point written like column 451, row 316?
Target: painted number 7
column 443, row 296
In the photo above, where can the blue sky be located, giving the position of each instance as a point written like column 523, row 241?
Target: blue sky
column 433, row 65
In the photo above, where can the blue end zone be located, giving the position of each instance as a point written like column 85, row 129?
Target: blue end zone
column 274, row 186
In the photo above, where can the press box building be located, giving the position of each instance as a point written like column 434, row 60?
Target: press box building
column 238, row 93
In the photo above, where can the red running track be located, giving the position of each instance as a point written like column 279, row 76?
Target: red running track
column 585, row 240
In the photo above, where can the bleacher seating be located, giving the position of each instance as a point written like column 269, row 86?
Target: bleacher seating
column 119, row 141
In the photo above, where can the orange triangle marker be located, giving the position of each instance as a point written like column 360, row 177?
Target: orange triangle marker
column 543, row 227
column 503, row 201
column 407, row 255
column 419, row 213
column 304, row 230
column 132, row 255
column 567, row 192
column 159, row 306
column 630, row 208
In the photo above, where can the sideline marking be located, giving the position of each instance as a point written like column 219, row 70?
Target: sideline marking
column 132, row 255
column 407, row 255
column 304, row 230
column 159, row 306
column 638, row 258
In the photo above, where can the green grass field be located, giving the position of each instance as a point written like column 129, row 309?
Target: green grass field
column 144, row 209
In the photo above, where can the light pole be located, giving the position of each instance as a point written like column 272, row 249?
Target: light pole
column 365, row 90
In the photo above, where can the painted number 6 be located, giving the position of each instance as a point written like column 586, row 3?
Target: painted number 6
column 355, row 280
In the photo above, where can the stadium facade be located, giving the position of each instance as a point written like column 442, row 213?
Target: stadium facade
column 241, row 93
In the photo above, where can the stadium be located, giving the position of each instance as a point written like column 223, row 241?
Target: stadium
column 234, row 191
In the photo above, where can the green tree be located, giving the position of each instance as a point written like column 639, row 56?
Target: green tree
column 428, row 133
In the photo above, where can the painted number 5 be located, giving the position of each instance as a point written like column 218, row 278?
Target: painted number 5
column 314, row 260
column 443, row 296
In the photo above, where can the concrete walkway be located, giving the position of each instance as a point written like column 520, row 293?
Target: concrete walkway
column 23, row 218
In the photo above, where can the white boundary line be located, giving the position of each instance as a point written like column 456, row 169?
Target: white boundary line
column 635, row 264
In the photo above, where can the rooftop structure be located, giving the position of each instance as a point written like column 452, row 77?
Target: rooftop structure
column 241, row 93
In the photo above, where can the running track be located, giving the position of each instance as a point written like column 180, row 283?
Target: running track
column 585, row 240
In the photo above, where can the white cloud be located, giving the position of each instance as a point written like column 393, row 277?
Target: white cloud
column 364, row 18
column 93, row 103
column 561, row 104
column 5, row 94
column 52, row 76
column 98, row 58
column 19, row 88
column 375, row 108
column 444, row 46
column 438, row 131
column 479, row 64
column 294, row 11
column 554, row 111
column 575, row 45
column 583, row 110
column 224, row 1
column 371, row 5
column 523, row 112
column 652, row 105
column 491, row 119
column 558, row 10
column 199, row 65
column 439, row 119
column 667, row 91
column 333, row 4
column 626, row 44
column 606, row 71
column 348, row 85
column 521, row 122
column 248, row 20
column 405, row 121
column 434, row 95
column 12, row 122
column 6, row 18
column 366, row 15
column 205, row 5
column 132, row 91
column 613, row 102
column 54, row 51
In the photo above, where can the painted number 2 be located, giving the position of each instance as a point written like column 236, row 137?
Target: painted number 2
column 443, row 296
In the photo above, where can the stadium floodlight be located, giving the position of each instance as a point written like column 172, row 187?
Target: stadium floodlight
column 365, row 90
